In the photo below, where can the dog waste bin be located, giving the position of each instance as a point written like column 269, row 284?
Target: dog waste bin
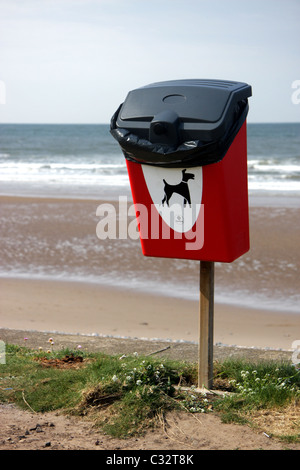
column 186, row 153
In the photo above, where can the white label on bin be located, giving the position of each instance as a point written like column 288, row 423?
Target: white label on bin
column 176, row 194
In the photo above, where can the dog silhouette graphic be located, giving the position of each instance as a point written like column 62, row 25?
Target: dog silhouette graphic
column 181, row 188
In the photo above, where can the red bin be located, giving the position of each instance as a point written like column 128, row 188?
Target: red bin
column 185, row 146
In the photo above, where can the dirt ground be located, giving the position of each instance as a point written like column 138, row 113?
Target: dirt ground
column 27, row 430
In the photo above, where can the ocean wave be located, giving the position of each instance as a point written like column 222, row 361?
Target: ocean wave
column 27, row 165
column 273, row 168
column 68, row 155
column 277, row 186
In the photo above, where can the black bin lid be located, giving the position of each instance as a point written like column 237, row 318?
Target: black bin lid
column 190, row 122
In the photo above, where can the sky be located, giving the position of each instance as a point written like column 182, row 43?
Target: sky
column 74, row 61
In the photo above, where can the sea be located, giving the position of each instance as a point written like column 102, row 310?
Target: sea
column 75, row 161
column 84, row 161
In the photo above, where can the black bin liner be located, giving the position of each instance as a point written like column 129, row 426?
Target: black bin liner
column 181, row 123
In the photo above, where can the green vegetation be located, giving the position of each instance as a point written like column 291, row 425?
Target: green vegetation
column 124, row 395
column 265, row 395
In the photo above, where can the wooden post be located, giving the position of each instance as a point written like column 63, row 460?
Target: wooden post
column 206, row 320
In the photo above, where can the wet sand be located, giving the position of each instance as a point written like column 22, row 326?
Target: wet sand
column 119, row 292
column 91, row 309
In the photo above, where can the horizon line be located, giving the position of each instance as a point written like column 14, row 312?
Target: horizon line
column 108, row 123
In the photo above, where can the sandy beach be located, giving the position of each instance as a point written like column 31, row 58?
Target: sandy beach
column 61, row 277
column 90, row 309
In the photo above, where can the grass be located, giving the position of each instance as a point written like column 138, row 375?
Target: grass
column 265, row 395
column 125, row 395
